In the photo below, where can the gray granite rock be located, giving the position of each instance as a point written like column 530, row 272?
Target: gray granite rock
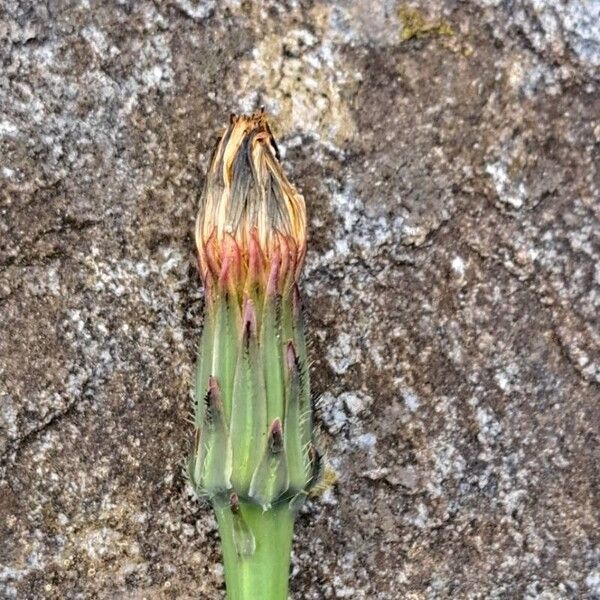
column 450, row 159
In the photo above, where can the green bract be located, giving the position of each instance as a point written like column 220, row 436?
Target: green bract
column 252, row 404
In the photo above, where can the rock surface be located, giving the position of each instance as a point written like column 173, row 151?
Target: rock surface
column 450, row 160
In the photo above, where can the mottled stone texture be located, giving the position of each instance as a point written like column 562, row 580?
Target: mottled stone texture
column 453, row 287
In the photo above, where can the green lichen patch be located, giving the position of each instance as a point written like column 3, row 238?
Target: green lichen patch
column 415, row 25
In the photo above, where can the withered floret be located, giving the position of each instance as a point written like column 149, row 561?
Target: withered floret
column 251, row 226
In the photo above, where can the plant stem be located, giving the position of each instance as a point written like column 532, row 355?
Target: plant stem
column 262, row 574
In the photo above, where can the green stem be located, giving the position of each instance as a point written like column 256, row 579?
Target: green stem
column 262, row 574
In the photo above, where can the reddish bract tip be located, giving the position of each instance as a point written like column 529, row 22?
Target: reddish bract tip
column 273, row 283
column 230, row 250
column 234, row 503
column 210, row 253
column 249, row 317
column 213, row 387
column 276, row 436
column 291, row 357
column 256, row 259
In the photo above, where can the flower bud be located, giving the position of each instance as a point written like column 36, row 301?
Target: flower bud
column 254, row 454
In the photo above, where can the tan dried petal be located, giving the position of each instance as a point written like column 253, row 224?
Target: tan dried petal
column 248, row 198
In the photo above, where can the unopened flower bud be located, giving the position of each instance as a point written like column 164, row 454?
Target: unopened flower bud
column 254, row 455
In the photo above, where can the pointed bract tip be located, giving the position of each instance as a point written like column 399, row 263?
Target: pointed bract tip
column 213, row 385
column 256, row 258
column 213, row 396
column 276, row 436
column 234, row 503
column 249, row 318
column 273, row 282
column 212, row 401
column 291, row 357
